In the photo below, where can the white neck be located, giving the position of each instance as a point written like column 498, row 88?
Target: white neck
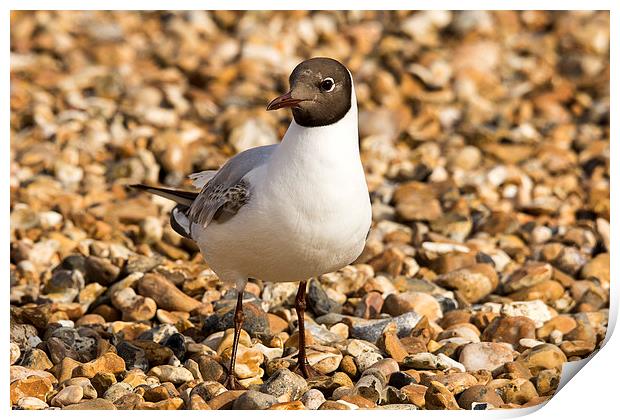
column 328, row 144
column 318, row 171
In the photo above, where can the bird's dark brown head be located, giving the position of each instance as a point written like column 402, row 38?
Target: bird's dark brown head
column 320, row 92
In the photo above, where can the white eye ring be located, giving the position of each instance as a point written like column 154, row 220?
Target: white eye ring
column 333, row 84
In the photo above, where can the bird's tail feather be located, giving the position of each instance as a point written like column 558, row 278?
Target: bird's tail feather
column 185, row 198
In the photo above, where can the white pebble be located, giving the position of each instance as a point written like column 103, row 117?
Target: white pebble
column 536, row 310
column 444, row 248
column 49, row 219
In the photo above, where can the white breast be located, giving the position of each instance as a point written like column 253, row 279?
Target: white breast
column 309, row 212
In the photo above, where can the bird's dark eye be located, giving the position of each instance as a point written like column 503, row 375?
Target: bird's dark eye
column 327, row 85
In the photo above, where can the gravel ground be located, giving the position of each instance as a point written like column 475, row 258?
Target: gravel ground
column 485, row 139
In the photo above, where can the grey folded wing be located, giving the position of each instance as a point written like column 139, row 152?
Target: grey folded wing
column 227, row 191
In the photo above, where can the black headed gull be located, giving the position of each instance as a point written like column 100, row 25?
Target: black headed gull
column 285, row 212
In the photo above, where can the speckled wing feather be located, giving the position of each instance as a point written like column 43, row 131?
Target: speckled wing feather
column 226, row 192
column 199, row 179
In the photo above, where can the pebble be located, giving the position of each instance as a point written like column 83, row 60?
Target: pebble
column 392, row 345
column 90, row 319
column 87, row 388
column 463, row 331
column 365, row 360
column 312, row 399
column 544, row 356
column 109, row 362
column 432, row 361
column 254, row 400
column 598, row 268
column 248, row 360
column 529, row 275
column 396, row 407
column 134, row 356
column 285, row 385
column 194, row 368
column 293, row 405
column 90, row 294
column 517, row 391
column 358, row 401
column 174, row 403
column 454, row 382
column 488, row 356
column 117, row 390
column 416, row 201
column 136, row 377
column 31, row 403
column 547, row 381
column 165, row 294
column 134, row 307
column 255, row 322
column 276, row 324
column 208, row 390
column 318, row 301
column 158, row 334
column 14, row 353
column 570, row 260
column 197, row 403
column 536, row 310
column 210, row 369
column 386, row 366
column 561, row 323
column 100, row 270
column 278, row 294
column 129, row 401
column 370, row 330
column 370, row 387
column 102, row 381
column 252, row 133
column 321, row 335
column 415, row 394
column 69, row 175
column 401, row 379
column 175, row 374
column 510, row 330
column 176, row 342
column 370, row 306
column 479, row 394
column 69, row 395
column 160, row 393
column 324, row 359
column 32, row 386
column 97, row 404
column 151, row 230
column 336, row 405
column 421, row 303
column 474, row 282
column 224, row 400
column 348, row 366
column 22, row 335
column 438, row 397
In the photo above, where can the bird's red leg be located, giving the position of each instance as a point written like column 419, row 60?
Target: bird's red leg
column 302, row 362
column 231, row 380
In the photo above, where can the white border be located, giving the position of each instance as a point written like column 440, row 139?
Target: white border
column 313, row 5
column 593, row 394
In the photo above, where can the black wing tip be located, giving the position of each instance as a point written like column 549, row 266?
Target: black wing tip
column 138, row 186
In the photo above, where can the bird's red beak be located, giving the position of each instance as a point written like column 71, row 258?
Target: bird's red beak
column 283, row 101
